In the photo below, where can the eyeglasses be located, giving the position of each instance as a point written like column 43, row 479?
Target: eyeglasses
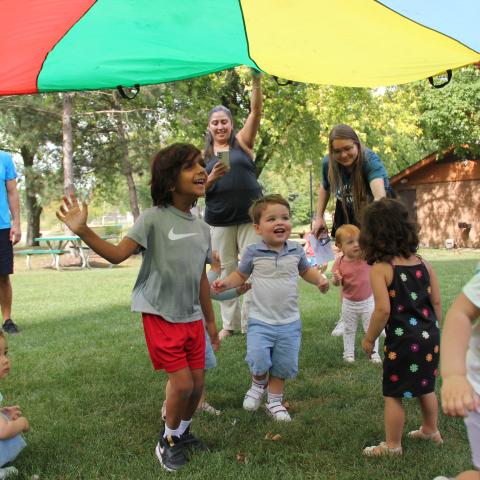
column 347, row 149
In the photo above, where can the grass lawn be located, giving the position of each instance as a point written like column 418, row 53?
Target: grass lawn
column 81, row 372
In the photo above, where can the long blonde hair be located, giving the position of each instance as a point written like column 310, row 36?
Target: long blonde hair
column 335, row 177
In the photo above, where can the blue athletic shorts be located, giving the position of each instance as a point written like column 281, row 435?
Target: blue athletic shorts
column 6, row 252
column 210, row 359
column 273, row 348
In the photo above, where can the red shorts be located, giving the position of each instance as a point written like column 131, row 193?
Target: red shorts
column 173, row 346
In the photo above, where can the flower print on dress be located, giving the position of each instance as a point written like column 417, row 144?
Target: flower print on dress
column 400, row 308
column 429, row 357
column 392, row 355
column 413, row 368
column 436, row 348
column 407, row 394
column 425, row 335
column 392, row 293
column 414, row 295
column 429, row 290
column 414, row 347
column 425, row 312
column 418, row 273
column 424, row 383
column 399, row 331
column 413, row 321
column 435, row 372
column 394, row 378
column 403, row 277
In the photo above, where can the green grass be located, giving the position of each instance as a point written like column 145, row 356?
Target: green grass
column 82, row 375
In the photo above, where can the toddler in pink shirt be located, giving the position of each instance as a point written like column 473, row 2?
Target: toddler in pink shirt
column 353, row 274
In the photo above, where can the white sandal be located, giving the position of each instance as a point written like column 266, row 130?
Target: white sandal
column 278, row 411
column 381, row 449
column 435, row 437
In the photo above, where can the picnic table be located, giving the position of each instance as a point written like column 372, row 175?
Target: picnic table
column 57, row 247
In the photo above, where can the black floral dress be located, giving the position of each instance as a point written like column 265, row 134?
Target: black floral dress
column 412, row 335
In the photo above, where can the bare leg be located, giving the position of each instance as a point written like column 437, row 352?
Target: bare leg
column 5, row 296
column 183, row 390
column 469, row 475
column 429, row 407
column 394, row 420
column 276, row 385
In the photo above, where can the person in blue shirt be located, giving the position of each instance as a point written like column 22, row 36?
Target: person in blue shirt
column 356, row 176
column 10, row 234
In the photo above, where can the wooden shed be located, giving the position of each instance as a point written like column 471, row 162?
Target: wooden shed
column 442, row 193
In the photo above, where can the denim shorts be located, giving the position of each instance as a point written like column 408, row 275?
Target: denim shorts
column 473, row 429
column 210, row 359
column 273, row 348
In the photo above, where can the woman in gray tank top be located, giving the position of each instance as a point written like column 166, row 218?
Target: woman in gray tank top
column 231, row 187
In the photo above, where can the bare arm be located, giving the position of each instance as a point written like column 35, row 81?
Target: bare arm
column 14, row 206
column 235, row 279
column 380, row 277
column 435, row 293
column 246, row 136
column 207, row 309
column 75, row 217
column 457, row 394
column 9, row 429
column 378, row 188
column 313, row 276
column 319, row 225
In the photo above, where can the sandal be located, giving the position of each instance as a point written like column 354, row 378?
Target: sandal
column 207, row 408
column 435, row 437
column 381, row 449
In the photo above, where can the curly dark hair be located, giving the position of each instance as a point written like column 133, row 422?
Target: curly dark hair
column 165, row 169
column 387, row 231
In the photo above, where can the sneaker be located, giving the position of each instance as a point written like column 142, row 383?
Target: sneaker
column 7, row 472
column 10, row 327
column 253, row 398
column 189, row 440
column 376, row 359
column 278, row 412
column 207, row 408
column 338, row 330
column 170, row 453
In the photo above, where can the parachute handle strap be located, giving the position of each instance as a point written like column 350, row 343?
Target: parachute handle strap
column 441, row 85
column 282, row 84
column 135, row 90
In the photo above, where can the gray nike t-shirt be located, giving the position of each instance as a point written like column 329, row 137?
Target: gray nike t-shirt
column 175, row 249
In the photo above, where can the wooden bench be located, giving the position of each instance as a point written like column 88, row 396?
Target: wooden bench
column 54, row 253
column 111, row 233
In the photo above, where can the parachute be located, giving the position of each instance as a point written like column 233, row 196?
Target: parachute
column 58, row 45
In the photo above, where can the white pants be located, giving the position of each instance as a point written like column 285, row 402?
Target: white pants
column 351, row 312
column 230, row 242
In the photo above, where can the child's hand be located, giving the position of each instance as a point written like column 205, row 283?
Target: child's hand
column 337, row 277
column 218, row 285
column 458, row 396
column 368, row 346
column 323, row 284
column 213, row 334
column 12, row 412
column 215, row 266
column 70, row 213
column 25, row 424
column 244, row 288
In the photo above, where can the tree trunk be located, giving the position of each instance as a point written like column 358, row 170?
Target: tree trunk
column 126, row 164
column 33, row 208
column 67, row 144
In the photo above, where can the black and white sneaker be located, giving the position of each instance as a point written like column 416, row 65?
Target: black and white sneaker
column 10, row 327
column 170, row 454
column 190, row 441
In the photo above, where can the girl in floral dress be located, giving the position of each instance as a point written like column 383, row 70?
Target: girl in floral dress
column 407, row 305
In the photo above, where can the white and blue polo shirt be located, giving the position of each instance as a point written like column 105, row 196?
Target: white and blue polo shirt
column 274, row 278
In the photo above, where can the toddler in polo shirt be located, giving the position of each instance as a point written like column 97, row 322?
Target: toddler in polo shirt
column 274, row 326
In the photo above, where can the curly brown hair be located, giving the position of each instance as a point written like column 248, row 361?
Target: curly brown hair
column 259, row 206
column 387, row 231
column 165, row 169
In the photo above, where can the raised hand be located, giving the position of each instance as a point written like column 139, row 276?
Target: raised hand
column 72, row 215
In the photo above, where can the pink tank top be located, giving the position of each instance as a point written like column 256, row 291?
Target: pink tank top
column 356, row 278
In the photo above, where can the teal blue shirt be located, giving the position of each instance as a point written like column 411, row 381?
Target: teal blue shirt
column 7, row 172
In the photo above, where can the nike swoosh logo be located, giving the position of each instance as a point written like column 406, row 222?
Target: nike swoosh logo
column 178, row 236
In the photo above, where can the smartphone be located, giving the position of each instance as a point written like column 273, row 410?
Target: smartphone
column 224, row 157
